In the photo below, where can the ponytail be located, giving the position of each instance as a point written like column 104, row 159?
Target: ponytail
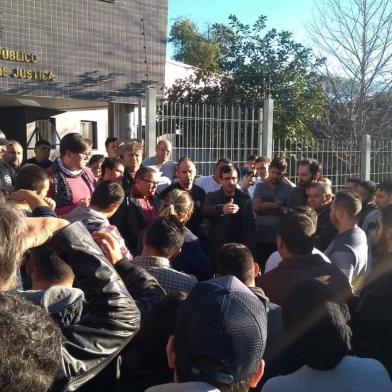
column 177, row 203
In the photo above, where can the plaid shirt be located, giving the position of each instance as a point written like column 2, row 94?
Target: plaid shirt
column 170, row 279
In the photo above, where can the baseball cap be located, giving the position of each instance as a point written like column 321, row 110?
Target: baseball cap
column 3, row 139
column 221, row 332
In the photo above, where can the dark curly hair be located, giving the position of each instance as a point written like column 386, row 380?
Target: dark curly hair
column 30, row 354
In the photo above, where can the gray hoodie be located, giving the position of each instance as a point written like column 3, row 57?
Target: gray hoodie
column 64, row 304
column 93, row 220
column 97, row 221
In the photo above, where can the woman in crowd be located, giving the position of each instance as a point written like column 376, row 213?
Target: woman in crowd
column 192, row 259
column 71, row 181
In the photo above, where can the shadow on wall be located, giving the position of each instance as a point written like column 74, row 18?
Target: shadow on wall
column 89, row 85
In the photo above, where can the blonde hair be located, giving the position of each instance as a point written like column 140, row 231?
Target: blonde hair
column 177, row 203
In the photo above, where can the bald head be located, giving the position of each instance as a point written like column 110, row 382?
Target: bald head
column 186, row 173
column 163, row 151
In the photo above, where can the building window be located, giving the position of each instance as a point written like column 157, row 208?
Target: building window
column 45, row 129
column 88, row 129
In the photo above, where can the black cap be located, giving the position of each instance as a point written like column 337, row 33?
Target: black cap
column 221, row 332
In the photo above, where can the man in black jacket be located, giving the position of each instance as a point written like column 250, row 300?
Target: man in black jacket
column 110, row 316
column 132, row 155
column 229, row 211
column 320, row 199
column 309, row 171
column 186, row 173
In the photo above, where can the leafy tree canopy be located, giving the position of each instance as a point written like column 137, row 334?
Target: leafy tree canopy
column 242, row 64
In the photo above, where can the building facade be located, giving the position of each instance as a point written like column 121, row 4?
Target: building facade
column 79, row 65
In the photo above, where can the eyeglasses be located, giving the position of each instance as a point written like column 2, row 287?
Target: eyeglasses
column 85, row 155
column 149, row 181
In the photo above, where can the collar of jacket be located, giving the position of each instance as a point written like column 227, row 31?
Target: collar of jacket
column 135, row 195
column 259, row 293
column 152, row 261
column 237, row 193
column 301, row 261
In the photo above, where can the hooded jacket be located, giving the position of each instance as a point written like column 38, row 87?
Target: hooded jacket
column 64, row 304
column 97, row 221
column 93, row 220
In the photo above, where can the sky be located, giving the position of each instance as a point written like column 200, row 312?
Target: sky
column 291, row 15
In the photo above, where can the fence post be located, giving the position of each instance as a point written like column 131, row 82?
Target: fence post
column 151, row 121
column 267, row 127
column 365, row 157
column 260, row 131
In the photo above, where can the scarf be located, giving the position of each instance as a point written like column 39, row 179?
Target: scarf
column 62, row 190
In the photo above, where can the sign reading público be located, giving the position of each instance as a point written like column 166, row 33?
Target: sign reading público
column 23, row 72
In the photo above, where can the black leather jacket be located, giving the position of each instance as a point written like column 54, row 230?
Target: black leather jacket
column 143, row 287
column 110, row 316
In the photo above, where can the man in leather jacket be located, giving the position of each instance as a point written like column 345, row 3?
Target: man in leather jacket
column 110, row 316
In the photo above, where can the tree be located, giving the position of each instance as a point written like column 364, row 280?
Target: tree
column 250, row 64
column 191, row 47
column 356, row 37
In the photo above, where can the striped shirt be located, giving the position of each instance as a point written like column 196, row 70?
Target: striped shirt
column 170, row 279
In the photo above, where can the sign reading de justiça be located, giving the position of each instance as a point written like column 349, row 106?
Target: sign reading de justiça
column 22, row 72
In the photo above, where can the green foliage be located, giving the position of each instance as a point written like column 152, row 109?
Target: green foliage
column 247, row 64
column 192, row 47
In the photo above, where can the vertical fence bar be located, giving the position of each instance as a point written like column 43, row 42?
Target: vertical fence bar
column 365, row 157
column 267, row 127
column 151, row 120
column 260, row 133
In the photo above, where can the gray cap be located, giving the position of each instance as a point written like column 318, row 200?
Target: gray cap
column 3, row 139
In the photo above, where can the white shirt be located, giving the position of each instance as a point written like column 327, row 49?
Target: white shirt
column 351, row 374
column 207, row 183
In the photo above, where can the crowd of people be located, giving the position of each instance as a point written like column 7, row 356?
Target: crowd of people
column 119, row 273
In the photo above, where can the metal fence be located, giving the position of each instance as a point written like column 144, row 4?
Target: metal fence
column 341, row 158
column 380, row 160
column 206, row 133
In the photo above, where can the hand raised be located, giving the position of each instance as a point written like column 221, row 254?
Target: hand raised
column 109, row 246
column 230, row 208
